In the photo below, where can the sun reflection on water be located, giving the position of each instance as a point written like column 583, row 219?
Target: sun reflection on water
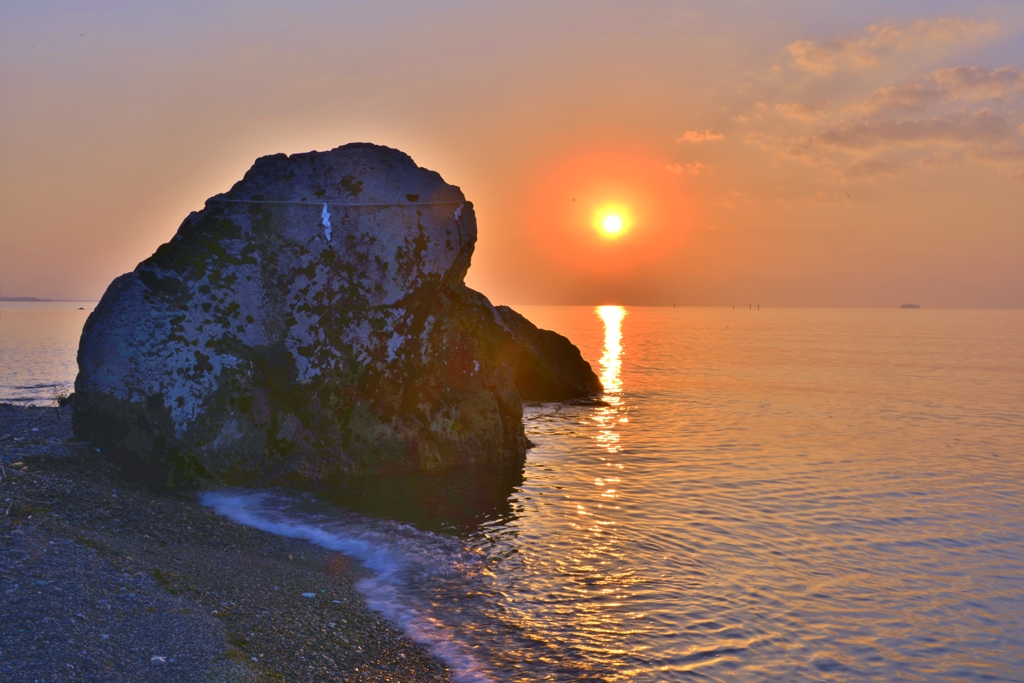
column 611, row 377
column 611, row 361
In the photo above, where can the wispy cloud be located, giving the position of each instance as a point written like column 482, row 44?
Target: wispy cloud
column 735, row 198
column 904, row 97
column 939, row 159
column 800, row 112
column 973, row 83
column 885, row 116
column 863, row 168
column 708, row 135
column 962, row 83
column 688, row 169
column 1007, row 152
column 868, row 49
column 982, row 126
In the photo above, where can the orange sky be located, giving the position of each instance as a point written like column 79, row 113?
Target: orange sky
column 785, row 153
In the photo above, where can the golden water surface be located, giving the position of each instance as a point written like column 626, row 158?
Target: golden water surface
column 773, row 495
column 787, row 495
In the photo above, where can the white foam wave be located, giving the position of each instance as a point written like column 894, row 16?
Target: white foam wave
column 395, row 558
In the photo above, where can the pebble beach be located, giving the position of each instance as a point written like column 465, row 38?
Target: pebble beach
column 104, row 579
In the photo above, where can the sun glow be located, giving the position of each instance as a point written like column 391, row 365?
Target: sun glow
column 608, row 211
column 612, row 221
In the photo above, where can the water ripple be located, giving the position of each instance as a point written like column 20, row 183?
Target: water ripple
column 793, row 495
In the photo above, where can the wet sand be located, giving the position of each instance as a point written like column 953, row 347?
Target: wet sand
column 104, row 579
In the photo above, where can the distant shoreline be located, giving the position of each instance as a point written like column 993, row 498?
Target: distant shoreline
column 32, row 299
column 38, row 300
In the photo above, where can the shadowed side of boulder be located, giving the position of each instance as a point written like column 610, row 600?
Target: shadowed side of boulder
column 550, row 367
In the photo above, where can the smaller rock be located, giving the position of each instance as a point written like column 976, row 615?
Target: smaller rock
column 309, row 595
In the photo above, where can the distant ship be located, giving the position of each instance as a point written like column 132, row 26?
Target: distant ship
column 910, row 306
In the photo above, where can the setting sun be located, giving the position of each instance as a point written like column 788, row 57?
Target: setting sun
column 612, row 224
column 612, row 220
column 608, row 211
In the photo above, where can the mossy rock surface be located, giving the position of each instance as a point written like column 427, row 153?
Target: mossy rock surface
column 310, row 322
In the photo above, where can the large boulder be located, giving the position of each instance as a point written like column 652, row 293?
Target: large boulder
column 311, row 322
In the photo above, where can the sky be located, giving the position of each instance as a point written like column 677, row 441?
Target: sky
column 782, row 153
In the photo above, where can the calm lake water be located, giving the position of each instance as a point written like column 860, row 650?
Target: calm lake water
column 773, row 495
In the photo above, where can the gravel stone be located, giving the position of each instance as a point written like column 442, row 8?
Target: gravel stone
column 103, row 579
